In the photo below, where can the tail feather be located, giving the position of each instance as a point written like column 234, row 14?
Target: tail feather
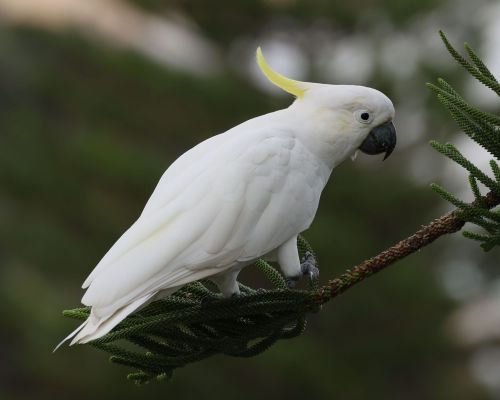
column 70, row 336
column 95, row 327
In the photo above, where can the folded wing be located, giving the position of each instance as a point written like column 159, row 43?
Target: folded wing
column 202, row 219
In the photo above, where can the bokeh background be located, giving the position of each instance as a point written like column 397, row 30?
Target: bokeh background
column 98, row 97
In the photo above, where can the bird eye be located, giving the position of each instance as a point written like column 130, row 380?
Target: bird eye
column 363, row 116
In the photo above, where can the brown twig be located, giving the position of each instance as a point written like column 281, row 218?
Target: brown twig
column 449, row 223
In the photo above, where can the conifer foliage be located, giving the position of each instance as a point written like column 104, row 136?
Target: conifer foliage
column 195, row 323
column 483, row 128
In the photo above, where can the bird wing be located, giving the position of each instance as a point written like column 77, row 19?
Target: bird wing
column 201, row 219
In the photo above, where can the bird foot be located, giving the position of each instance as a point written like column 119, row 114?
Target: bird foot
column 308, row 266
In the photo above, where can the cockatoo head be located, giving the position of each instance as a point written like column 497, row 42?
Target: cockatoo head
column 361, row 113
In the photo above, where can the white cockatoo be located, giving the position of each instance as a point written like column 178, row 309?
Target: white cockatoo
column 240, row 195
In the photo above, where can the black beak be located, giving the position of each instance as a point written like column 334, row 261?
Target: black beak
column 382, row 139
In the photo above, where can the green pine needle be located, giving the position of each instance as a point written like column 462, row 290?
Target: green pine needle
column 475, row 188
column 495, row 169
column 479, row 63
column 476, row 236
column 452, row 152
column 483, row 128
column 473, row 70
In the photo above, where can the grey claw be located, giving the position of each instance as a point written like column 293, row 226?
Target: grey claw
column 308, row 266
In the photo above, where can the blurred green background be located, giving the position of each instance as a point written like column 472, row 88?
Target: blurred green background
column 97, row 98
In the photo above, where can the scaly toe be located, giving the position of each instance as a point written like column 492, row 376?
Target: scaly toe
column 308, row 266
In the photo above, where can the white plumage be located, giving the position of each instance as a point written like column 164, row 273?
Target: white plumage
column 243, row 194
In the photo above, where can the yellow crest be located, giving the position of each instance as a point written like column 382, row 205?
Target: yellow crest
column 287, row 84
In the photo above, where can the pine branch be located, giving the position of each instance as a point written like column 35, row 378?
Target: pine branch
column 185, row 328
column 449, row 223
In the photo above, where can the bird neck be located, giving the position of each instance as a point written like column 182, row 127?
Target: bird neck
column 322, row 131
